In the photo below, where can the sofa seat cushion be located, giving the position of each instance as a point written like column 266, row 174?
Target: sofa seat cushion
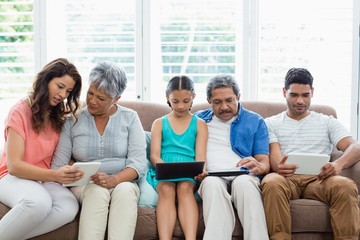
column 146, row 225
column 310, row 216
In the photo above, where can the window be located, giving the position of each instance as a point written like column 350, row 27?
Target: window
column 196, row 38
column 90, row 31
column 16, row 53
column 257, row 41
column 16, row 48
column 317, row 35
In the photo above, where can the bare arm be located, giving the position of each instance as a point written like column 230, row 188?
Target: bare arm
column 278, row 161
column 274, row 156
column 262, row 166
column 350, row 156
column 201, row 140
column 155, row 149
column 351, row 151
column 20, row 168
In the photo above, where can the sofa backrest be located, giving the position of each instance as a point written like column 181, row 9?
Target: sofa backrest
column 267, row 109
column 148, row 112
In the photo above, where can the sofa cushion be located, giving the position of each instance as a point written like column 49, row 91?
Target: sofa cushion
column 148, row 195
column 318, row 216
column 146, row 224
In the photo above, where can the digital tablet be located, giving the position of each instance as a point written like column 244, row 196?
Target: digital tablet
column 178, row 170
column 308, row 163
column 229, row 173
column 89, row 169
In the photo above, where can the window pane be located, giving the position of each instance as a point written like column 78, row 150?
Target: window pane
column 316, row 35
column 101, row 30
column 16, row 54
column 198, row 39
column 16, row 48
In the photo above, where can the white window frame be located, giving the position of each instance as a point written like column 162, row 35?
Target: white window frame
column 355, row 93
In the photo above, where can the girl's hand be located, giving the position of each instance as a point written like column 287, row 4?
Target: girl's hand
column 200, row 177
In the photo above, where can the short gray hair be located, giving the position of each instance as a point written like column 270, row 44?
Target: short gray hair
column 108, row 77
column 222, row 81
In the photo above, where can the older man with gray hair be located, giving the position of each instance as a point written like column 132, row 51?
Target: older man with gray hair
column 238, row 138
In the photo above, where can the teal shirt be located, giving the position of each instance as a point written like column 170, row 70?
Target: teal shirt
column 175, row 148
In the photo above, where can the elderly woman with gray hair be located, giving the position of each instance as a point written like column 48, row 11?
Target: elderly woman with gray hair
column 113, row 135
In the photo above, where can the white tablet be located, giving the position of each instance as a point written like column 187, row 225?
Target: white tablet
column 308, row 163
column 89, row 169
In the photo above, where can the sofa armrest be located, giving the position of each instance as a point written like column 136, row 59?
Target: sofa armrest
column 353, row 173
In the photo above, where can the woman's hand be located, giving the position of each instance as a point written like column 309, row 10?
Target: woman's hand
column 67, row 174
column 104, row 180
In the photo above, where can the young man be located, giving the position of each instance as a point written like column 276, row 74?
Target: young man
column 299, row 130
column 237, row 138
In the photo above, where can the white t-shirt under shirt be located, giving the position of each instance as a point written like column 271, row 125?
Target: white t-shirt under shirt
column 219, row 154
column 316, row 133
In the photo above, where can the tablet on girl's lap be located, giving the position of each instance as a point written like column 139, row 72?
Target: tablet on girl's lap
column 308, row 163
column 178, row 169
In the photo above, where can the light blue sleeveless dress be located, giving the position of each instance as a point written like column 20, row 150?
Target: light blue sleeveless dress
column 175, row 148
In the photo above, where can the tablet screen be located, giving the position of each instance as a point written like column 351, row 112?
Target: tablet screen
column 178, row 170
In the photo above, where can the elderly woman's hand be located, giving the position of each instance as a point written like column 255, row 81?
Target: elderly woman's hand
column 104, row 180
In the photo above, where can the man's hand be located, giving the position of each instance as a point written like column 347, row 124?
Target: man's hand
column 252, row 164
column 328, row 170
column 104, row 180
column 286, row 170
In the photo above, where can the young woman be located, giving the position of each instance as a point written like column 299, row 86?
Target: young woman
column 38, row 202
column 177, row 137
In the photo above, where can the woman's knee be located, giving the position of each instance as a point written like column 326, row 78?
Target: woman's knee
column 94, row 191
column 126, row 190
column 69, row 208
column 38, row 206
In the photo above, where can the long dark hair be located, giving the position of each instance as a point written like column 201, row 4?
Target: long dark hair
column 39, row 95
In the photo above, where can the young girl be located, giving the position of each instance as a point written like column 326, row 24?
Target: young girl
column 27, row 185
column 177, row 137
